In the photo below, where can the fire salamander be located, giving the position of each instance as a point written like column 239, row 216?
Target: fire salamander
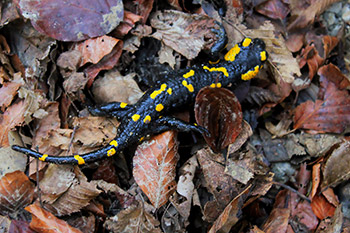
column 240, row 63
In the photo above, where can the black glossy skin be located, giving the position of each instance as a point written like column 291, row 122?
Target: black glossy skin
column 131, row 131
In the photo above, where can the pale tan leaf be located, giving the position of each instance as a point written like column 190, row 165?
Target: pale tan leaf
column 154, row 167
column 77, row 196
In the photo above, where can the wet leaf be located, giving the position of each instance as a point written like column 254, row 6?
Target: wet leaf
column 274, row 9
column 73, row 20
column 154, row 167
column 45, row 222
column 219, row 111
column 335, row 172
column 133, row 219
column 329, row 113
column 16, row 192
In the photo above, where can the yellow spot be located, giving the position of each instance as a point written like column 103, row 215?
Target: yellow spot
column 250, row 74
column 111, row 152
column 189, row 86
column 218, row 69
column 189, row 74
column 147, row 119
column 263, row 55
column 159, row 107
column 170, row 91
column 42, row 158
column 213, row 85
column 141, row 139
column 123, row 105
column 214, row 62
column 232, row 53
column 114, row 143
column 135, row 117
column 246, row 42
column 79, row 159
column 157, row 92
column 131, row 133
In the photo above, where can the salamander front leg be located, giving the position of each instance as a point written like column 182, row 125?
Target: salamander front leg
column 113, row 109
column 171, row 123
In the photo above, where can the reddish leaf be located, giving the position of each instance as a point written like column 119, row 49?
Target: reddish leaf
column 275, row 9
column 154, row 167
column 73, row 20
column 321, row 207
column 310, row 56
column 13, row 116
column 219, row 111
column 330, row 112
column 93, row 50
column 45, row 222
column 316, row 179
column 107, row 62
column 333, row 74
column 7, row 92
column 15, row 193
column 140, row 7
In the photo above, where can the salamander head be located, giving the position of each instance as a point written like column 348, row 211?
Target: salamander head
column 249, row 51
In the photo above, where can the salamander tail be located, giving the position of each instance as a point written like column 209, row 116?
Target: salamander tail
column 107, row 151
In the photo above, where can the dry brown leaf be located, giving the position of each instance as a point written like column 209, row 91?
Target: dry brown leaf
column 7, row 92
column 77, row 196
column 16, row 192
column 185, row 188
column 186, row 33
column 133, row 219
column 321, row 207
column 45, row 222
column 334, row 171
column 93, row 50
column 307, row 16
column 335, row 75
column 274, row 9
column 13, row 116
column 115, row 87
column 106, row 63
column 154, row 167
column 335, row 224
column 231, row 213
column 221, row 185
column 329, row 113
column 286, row 66
column 277, row 221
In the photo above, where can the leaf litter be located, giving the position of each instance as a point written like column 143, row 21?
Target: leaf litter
column 284, row 169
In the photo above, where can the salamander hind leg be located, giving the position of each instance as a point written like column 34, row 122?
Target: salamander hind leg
column 113, row 109
column 171, row 123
